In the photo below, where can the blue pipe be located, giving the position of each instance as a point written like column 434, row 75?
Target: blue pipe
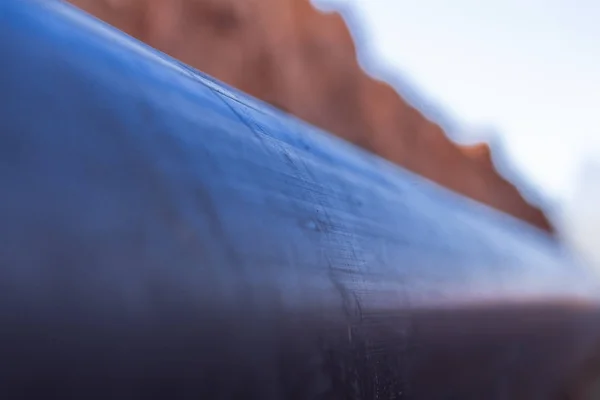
column 165, row 236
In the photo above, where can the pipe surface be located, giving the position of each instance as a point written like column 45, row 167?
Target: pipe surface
column 165, row 236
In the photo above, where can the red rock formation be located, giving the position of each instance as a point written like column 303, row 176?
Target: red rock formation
column 304, row 61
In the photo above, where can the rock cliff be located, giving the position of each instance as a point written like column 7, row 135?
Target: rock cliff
column 304, row 61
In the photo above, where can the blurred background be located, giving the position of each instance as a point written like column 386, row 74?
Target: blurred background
column 495, row 100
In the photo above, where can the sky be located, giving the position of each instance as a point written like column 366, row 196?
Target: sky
column 528, row 68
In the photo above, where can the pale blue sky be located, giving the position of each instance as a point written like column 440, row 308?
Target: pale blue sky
column 530, row 68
